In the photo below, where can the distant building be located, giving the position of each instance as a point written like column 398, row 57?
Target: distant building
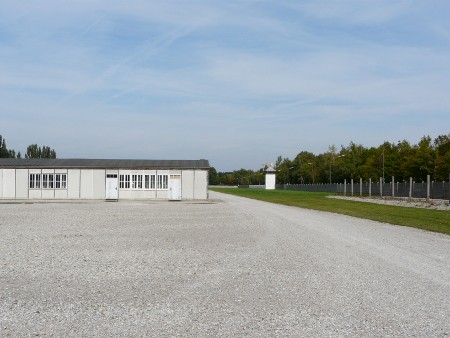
column 270, row 177
column 103, row 179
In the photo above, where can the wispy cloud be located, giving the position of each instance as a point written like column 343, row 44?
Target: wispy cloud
column 237, row 82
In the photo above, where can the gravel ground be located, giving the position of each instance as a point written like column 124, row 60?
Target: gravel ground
column 231, row 267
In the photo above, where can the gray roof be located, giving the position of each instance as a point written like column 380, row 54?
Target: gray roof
column 39, row 163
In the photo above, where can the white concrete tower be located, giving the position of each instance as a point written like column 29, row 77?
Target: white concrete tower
column 270, row 177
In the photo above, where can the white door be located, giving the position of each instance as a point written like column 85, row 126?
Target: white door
column 112, row 185
column 175, row 187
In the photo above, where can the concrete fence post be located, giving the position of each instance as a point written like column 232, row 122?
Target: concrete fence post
column 428, row 187
column 381, row 186
column 352, row 185
column 360, row 186
column 345, row 187
column 410, row 187
column 370, row 187
column 393, row 187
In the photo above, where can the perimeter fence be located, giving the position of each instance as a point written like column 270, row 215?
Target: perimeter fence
column 426, row 190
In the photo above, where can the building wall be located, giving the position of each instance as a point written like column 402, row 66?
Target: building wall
column 34, row 193
column 48, row 193
column 1, row 183
column 270, row 181
column 21, row 183
column 86, row 183
column 91, row 184
column 9, row 183
column 187, row 184
column 61, row 193
column 73, row 183
column 200, row 184
column 99, row 184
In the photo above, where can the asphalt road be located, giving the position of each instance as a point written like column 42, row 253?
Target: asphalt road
column 233, row 267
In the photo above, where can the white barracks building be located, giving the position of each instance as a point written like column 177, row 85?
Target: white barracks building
column 103, row 179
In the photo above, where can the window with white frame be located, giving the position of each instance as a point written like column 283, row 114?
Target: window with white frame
column 163, row 181
column 143, row 181
column 35, row 181
column 63, row 181
column 124, row 181
column 153, row 182
column 46, row 181
column 60, row 181
column 136, row 182
column 149, row 181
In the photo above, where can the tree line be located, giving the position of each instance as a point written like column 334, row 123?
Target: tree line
column 401, row 160
column 33, row 151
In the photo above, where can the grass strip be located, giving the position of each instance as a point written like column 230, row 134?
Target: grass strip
column 427, row 219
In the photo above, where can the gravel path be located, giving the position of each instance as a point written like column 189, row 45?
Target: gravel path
column 233, row 267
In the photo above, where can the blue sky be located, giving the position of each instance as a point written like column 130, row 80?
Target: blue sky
column 235, row 82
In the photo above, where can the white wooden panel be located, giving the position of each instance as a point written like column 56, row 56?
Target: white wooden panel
column 187, row 184
column 99, row 184
column 1, row 183
column 137, row 194
column 162, row 194
column 9, row 183
column 73, row 183
column 87, row 184
column 35, row 193
column 61, row 193
column 21, row 183
column 201, row 185
column 48, row 194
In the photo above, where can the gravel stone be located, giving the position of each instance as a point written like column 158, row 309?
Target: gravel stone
column 228, row 267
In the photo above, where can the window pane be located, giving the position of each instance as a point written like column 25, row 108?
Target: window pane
column 162, row 181
column 152, row 185
column 63, row 181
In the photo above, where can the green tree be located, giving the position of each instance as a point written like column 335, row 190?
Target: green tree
column 4, row 151
column 213, row 177
column 401, row 160
column 424, row 160
column 303, row 170
column 372, row 166
column 442, row 164
column 283, row 167
column 34, row 151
